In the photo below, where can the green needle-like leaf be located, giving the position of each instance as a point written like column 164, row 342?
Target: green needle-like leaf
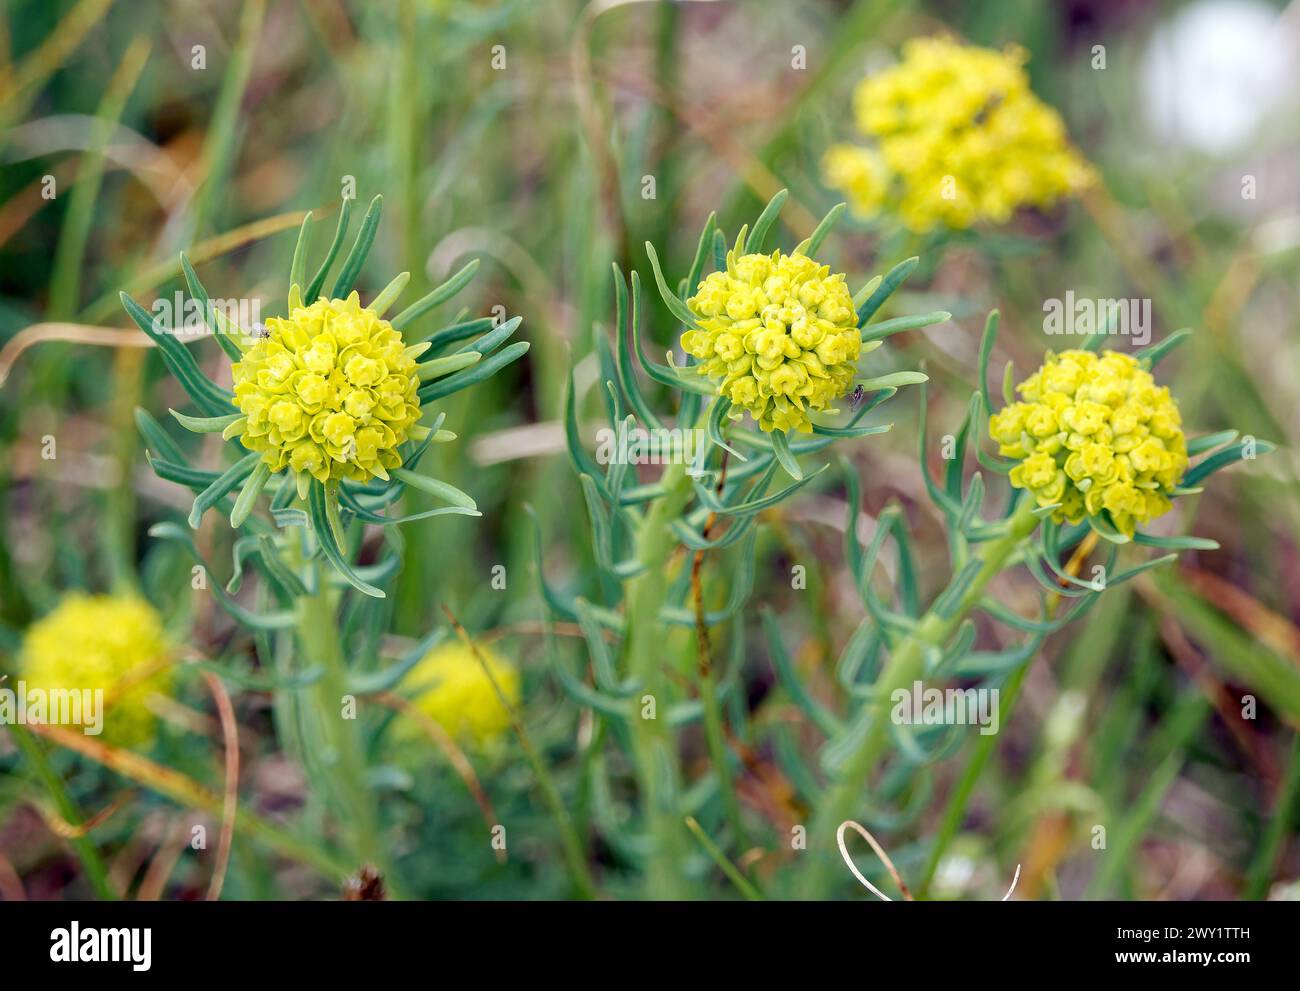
column 388, row 295
column 298, row 267
column 211, row 398
column 224, row 483
column 356, row 258
column 447, row 364
column 318, row 280
column 324, row 525
column 893, row 279
column 439, row 295
column 249, row 493
column 678, row 309
column 758, row 237
column 435, row 487
column 205, row 424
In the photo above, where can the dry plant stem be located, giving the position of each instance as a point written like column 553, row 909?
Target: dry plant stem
column 574, row 851
column 189, row 793
column 905, row 666
column 230, row 798
column 82, row 845
column 166, row 857
column 455, row 756
column 652, row 745
column 65, row 829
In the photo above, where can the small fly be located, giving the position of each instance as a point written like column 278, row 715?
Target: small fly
column 856, row 399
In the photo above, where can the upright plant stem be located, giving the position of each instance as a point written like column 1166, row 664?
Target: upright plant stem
column 714, row 734
column 656, row 762
column 345, row 760
column 905, row 665
column 956, row 808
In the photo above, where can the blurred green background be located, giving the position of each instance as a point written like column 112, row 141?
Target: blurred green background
column 523, row 134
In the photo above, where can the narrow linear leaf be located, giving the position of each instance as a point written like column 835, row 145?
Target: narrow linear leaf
column 899, row 324
column 678, row 309
column 356, row 258
column 1152, row 356
column 224, row 483
column 438, row 296
column 298, row 267
column 388, row 295
column 208, row 311
column 323, row 526
column 892, row 280
column 701, row 253
column 781, row 448
column 205, row 424
column 1221, row 459
column 211, row 398
column 758, row 237
column 318, row 280
column 814, row 241
column 447, row 364
column 492, row 340
column 470, row 376
column 248, row 494
column 435, row 487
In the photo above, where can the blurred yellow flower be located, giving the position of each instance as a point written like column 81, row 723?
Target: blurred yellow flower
column 458, row 695
column 329, row 392
column 959, row 138
column 779, row 334
column 109, row 642
column 1094, row 433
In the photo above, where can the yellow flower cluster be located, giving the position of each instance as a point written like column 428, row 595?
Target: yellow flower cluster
column 1094, row 433
column 779, row 334
column 108, row 642
column 959, row 138
column 458, row 695
column 330, row 392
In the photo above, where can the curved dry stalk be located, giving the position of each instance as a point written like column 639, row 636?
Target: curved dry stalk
column 889, row 864
column 185, row 791
column 230, row 803
column 204, row 251
column 60, row 826
column 455, row 756
column 69, row 333
column 884, row 859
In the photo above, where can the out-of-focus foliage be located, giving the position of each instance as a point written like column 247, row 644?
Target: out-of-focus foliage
column 545, row 141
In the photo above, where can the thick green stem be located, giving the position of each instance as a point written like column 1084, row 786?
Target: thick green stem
column 344, row 760
column 905, row 666
column 652, row 745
